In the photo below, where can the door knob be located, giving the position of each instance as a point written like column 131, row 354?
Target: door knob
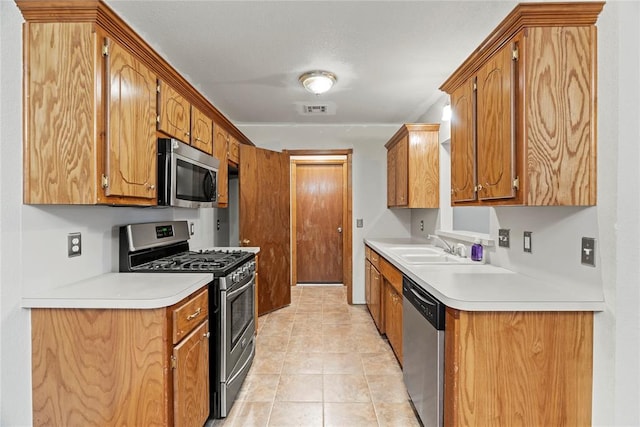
column 245, row 242
column 339, row 229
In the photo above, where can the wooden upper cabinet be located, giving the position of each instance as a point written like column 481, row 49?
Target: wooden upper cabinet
column 179, row 119
column 201, row 131
column 533, row 113
column 221, row 143
column 413, row 167
column 234, row 150
column 463, row 143
column 173, row 113
column 89, row 119
column 495, row 102
column 131, row 137
column 95, row 101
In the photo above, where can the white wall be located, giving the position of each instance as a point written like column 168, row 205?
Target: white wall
column 33, row 238
column 369, row 171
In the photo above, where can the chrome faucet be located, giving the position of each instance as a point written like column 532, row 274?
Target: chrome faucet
column 448, row 248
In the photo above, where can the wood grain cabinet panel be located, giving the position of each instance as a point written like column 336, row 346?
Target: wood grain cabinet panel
column 221, row 151
column 174, row 113
column 113, row 367
column 234, row 150
column 191, row 378
column 131, row 137
column 201, row 131
column 86, row 142
column 413, row 167
column 463, row 143
column 526, row 133
column 518, row 368
column 393, row 318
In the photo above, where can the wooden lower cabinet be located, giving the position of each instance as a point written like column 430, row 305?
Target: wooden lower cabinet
column 393, row 318
column 518, row 368
column 113, row 367
column 383, row 294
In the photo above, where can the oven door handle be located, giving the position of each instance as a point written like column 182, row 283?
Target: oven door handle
column 241, row 289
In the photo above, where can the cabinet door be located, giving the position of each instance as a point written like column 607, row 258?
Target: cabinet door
column 495, row 126
column 234, row 150
column 221, row 142
column 131, row 145
column 60, row 69
column 191, row 379
column 391, row 176
column 367, row 283
column 173, row 111
column 201, row 131
column 402, row 171
column 376, row 299
column 463, row 144
column 393, row 318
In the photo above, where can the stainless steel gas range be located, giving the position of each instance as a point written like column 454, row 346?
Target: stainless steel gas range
column 163, row 247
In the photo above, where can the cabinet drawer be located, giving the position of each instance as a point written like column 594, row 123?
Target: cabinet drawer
column 190, row 314
column 375, row 259
column 392, row 274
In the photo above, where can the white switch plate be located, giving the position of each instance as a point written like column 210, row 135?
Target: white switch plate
column 527, row 241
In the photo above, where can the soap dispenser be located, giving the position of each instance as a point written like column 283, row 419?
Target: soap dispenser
column 476, row 250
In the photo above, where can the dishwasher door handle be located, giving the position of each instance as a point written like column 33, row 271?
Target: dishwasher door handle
column 421, row 298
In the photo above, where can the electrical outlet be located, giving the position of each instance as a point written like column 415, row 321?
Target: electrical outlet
column 359, row 223
column 503, row 238
column 74, row 244
column 191, row 229
column 421, row 225
column 588, row 251
column 527, row 241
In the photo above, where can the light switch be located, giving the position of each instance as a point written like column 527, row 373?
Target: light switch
column 359, row 223
column 527, row 241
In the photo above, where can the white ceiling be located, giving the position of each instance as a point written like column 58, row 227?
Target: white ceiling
column 245, row 56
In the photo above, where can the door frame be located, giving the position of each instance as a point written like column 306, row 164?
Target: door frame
column 327, row 157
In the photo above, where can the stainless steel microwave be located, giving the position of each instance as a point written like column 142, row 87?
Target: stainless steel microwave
column 186, row 177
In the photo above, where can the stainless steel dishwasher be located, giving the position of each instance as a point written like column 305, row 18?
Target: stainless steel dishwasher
column 423, row 349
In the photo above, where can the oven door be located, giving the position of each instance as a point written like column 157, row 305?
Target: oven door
column 239, row 325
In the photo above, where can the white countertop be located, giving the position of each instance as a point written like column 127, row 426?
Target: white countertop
column 484, row 287
column 122, row 290
column 126, row 290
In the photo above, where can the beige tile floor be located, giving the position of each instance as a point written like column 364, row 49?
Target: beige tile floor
column 321, row 362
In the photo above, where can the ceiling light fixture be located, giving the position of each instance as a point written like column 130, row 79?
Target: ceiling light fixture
column 318, row 82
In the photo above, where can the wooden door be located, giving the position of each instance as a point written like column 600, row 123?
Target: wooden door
column 173, row 111
column 463, row 144
column 191, row 379
column 319, row 196
column 221, row 140
column 131, row 117
column 402, row 171
column 264, row 221
column 496, row 134
column 202, row 131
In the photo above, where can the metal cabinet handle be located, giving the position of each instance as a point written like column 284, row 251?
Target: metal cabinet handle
column 195, row 314
column 245, row 242
column 339, row 229
column 151, row 187
column 207, row 335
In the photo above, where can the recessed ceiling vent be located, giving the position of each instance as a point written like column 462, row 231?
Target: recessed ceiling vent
column 317, row 109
